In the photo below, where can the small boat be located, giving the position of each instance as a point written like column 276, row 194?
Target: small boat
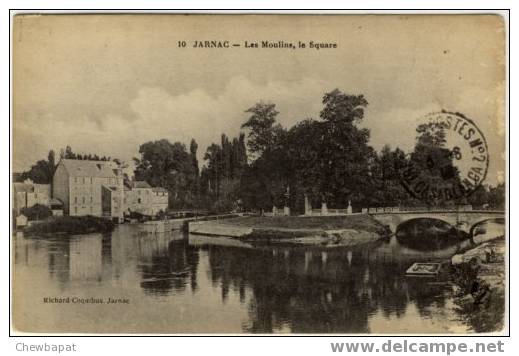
column 419, row 269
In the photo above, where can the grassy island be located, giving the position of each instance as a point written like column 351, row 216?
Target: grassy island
column 362, row 222
column 70, row 225
column 316, row 230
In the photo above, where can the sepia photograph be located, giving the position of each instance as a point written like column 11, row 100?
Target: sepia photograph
column 259, row 174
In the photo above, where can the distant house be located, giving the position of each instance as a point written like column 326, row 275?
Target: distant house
column 21, row 220
column 27, row 194
column 144, row 199
column 89, row 188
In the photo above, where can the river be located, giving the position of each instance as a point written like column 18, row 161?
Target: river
column 176, row 283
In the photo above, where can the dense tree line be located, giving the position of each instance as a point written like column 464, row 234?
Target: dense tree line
column 171, row 166
column 326, row 159
column 220, row 177
column 330, row 160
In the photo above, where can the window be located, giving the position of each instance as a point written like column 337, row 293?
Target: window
column 83, row 180
column 75, row 179
column 90, row 180
column 91, row 199
column 139, row 200
column 83, row 200
column 75, row 200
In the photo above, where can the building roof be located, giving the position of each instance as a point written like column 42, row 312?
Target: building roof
column 86, row 168
column 55, row 201
column 141, row 184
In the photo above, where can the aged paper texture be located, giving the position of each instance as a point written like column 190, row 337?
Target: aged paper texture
column 258, row 174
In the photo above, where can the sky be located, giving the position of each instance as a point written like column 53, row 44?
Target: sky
column 107, row 84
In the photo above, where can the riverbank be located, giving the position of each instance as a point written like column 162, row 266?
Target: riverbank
column 325, row 230
column 480, row 280
column 70, row 225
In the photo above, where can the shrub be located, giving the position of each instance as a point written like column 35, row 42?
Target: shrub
column 37, row 212
column 71, row 225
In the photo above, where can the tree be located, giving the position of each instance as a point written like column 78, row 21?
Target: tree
column 163, row 164
column 327, row 159
column 67, row 153
column 304, row 149
column 261, row 126
column 194, row 184
column 51, row 159
column 213, row 170
column 343, row 109
column 480, row 197
column 431, row 164
column 253, row 191
column 220, row 177
column 42, row 171
column 385, row 175
column 345, row 154
column 37, row 212
column 497, row 197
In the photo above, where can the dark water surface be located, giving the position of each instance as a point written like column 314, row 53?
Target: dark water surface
column 176, row 283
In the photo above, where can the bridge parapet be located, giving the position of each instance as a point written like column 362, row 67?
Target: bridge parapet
column 462, row 219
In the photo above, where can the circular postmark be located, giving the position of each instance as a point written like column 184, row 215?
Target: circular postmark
column 450, row 159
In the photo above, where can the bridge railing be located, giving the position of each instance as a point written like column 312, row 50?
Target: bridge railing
column 400, row 209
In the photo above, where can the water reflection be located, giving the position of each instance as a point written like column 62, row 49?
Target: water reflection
column 318, row 291
column 167, row 266
column 221, row 285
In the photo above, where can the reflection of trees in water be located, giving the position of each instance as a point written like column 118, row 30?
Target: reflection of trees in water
column 425, row 293
column 314, row 291
column 59, row 260
column 168, row 267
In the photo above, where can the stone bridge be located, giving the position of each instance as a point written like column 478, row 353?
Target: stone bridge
column 464, row 220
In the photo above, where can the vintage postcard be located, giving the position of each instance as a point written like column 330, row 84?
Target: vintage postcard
column 244, row 174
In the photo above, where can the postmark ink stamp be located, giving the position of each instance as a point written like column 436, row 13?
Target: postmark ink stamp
column 450, row 160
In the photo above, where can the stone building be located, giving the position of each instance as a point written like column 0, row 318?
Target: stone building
column 89, row 188
column 144, row 199
column 28, row 194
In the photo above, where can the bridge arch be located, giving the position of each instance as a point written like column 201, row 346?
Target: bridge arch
column 431, row 219
column 464, row 220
